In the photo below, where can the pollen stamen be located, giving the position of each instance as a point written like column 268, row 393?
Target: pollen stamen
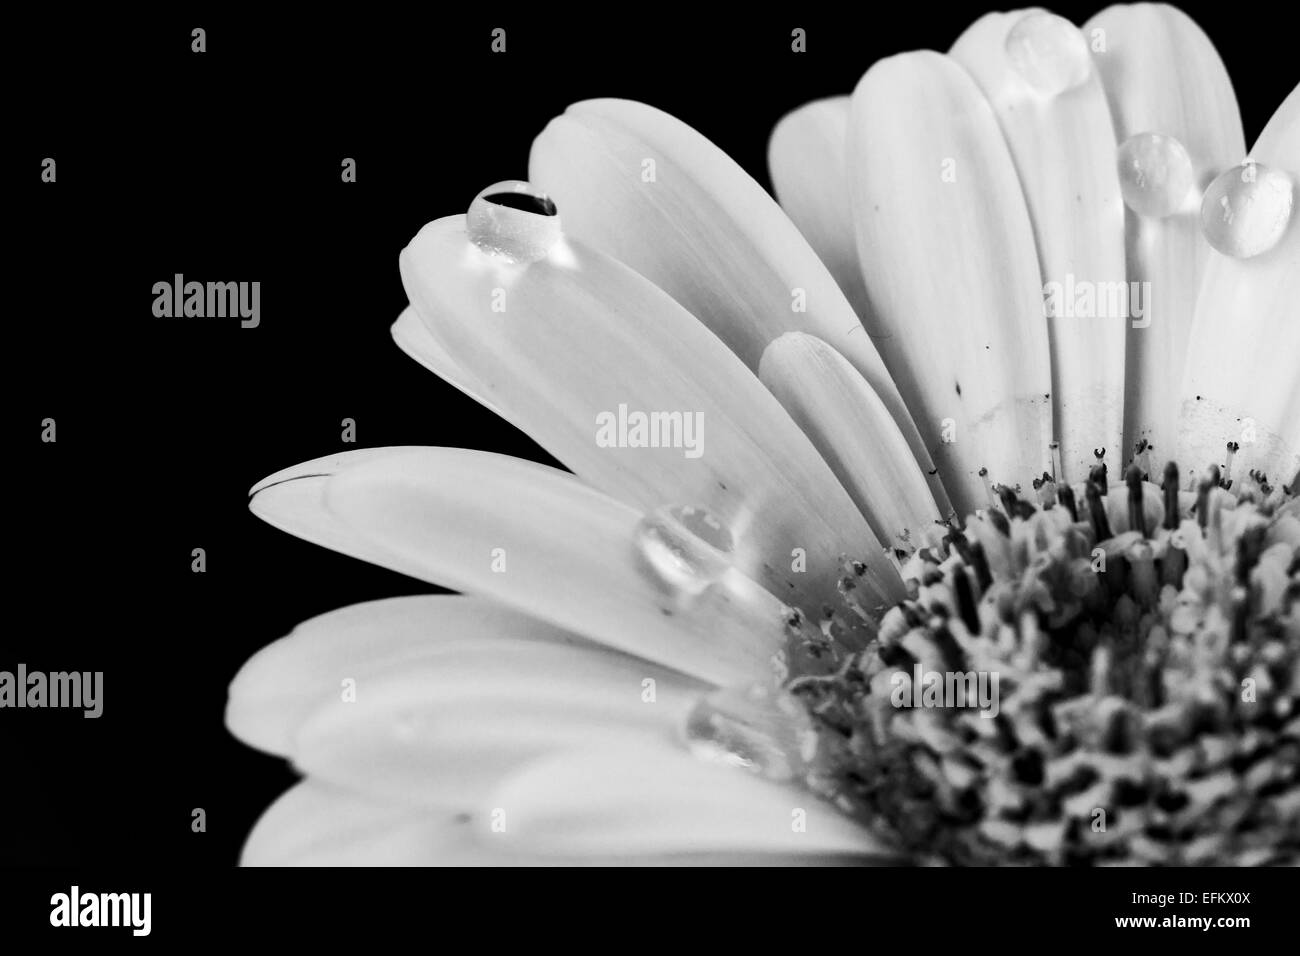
column 1142, row 458
column 1120, row 687
column 1097, row 511
column 1170, row 487
column 1046, row 488
column 1067, row 501
column 1227, row 465
column 1097, row 476
column 988, row 489
column 1137, row 519
column 1209, row 482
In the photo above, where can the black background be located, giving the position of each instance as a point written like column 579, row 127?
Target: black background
column 225, row 166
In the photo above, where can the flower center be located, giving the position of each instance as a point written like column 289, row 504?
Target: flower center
column 1116, row 681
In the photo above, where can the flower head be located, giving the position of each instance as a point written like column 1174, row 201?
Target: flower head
column 851, row 561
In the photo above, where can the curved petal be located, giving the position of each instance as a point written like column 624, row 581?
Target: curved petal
column 291, row 500
column 414, row 339
column 443, row 729
column 315, row 824
column 653, row 193
column 659, row 800
column 806, row 159
column 947, row 253
column 1241, row 383
column 1064, row 148
column 278, row 688
column 585, row 345
column 570, row 557
column 854, row 432
column 1162, row 75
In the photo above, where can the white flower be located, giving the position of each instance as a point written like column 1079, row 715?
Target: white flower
column 864, row 371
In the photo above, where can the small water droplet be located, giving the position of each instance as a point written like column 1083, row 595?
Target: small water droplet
column 1049, row 52
column 513, row 220
column 1155, row 174
column 1247, row 210
column 758, row 728
column 687, row 548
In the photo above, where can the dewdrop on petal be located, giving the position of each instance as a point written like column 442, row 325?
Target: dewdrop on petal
column 1155, row 174
column 1247, row 210
column 760, row 729
column 686, row 548
column 513, row 220
column 1049, row 52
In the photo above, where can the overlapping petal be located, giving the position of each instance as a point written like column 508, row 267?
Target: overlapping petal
column 281, row 685
column 644, row 187
column 660, row 800
column 947, row 254
column 442, row 729
column 315, row 824
column 1162, row 75
column 1063, row 147
column 849, row 424
column 1241, row 383
column 806, row 158
column 583, row 342
column 569, row 554
column 413, row 338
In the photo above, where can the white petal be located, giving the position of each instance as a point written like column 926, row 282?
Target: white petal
column 659, row 800
column 1065, row 154
column 584, row 339
column 703, row 231
column 854, row 432
column 1162, row 75
column 278, row 687
column 570, row 557
column 806, row 158
column 315, row 824
column 1241, row 364
column 951, row 270
column 442, row 729
column 414, row 339
column 291, row 500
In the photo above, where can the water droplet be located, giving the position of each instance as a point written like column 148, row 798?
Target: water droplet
column 1247, row 209
column 513, row 220
column 1155, row 174
column 758, row 728
column 1049, row 52
column 688, row 548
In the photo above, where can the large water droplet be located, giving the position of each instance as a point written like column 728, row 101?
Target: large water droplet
column 687, row 548
column 761, row 729
column 1155, row 174
column 1247, row 210
column 1049, row 52
column 513, row 220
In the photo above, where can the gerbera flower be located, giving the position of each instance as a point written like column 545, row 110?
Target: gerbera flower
column 1006, row 393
